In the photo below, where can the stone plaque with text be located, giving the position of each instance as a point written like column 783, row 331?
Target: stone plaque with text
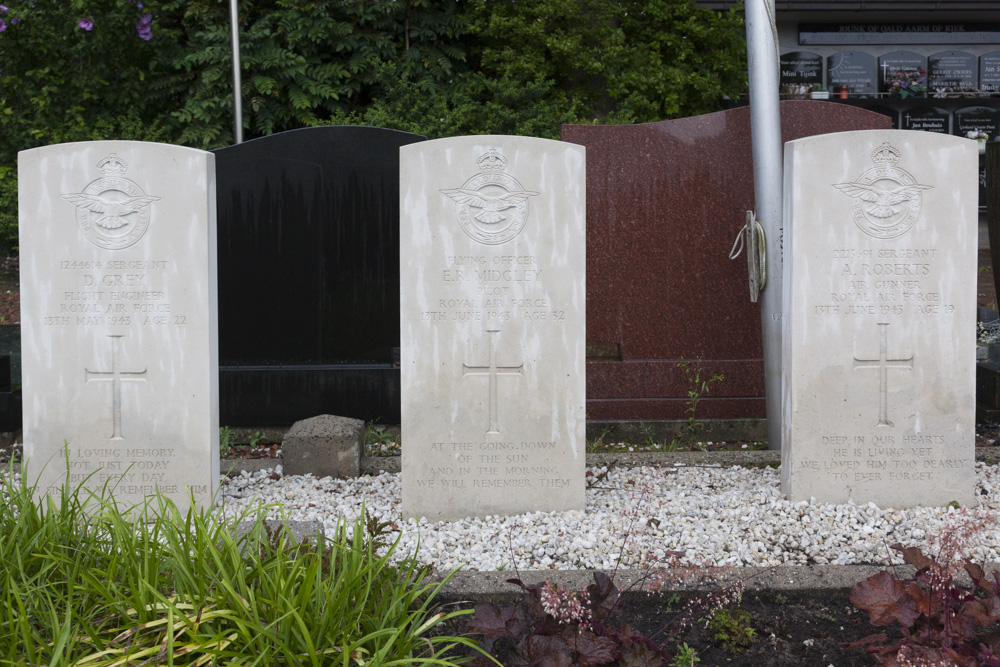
column 801, row 67
column 977, row 118
column 492, row 268
column 853, row 69
column 118, row 323
column 952, row 71
column 900, row 64
column 878, row 373
column 927, row 119
column 989, row 73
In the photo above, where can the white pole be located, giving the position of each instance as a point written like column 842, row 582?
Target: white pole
column 765, row 130
column 237, row 97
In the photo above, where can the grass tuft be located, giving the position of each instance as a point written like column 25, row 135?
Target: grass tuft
column 84, row 584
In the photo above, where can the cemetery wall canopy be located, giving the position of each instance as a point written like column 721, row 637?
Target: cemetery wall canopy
column 118, row 319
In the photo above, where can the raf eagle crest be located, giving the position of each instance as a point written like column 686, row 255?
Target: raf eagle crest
column 885, row 200
column 493, row 206
column 113, row 212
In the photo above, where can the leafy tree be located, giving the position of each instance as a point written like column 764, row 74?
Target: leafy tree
column 641, row 60
column 302, row 62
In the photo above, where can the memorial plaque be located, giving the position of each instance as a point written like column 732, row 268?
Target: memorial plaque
column 853, row 69
column 989, row 73
column 801, row 67
column 492, row 257
column 927, row 119
column 900, row 63
column 880, row 274
column 978, row 118
column 118, row 319
column 952, row 71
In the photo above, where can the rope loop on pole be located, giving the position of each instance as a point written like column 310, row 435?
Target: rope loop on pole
column 756, row 247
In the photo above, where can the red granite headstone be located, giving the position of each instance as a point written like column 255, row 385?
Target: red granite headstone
column 664, row 204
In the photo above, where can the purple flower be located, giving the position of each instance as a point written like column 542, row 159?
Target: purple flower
column 3, row 26
column 15, row 21
column 85, row 24
column 139, row 6
column 144, row 26
column 3, row 8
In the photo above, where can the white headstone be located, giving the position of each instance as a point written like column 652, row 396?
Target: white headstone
column 492, row 259
column 880, row 317
column 118, row 319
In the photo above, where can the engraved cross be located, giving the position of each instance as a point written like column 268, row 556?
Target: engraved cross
column 492, row 371
column 116, row 377
column 883, row 364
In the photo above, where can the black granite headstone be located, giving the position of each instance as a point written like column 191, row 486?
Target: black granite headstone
column 985, row 119
column 308, row 229
column 853, row 69
column 989, row 73
column 900, row 63
column 928, row 119
column 801, row 67
column 953, row 71
column 10, row 399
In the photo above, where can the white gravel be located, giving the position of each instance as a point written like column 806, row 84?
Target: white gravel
column 717, row 515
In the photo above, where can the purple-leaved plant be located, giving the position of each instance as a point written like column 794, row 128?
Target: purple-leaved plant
column 940, row 622
column 552, row 625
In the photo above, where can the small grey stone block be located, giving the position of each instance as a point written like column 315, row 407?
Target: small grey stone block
column 326, row 445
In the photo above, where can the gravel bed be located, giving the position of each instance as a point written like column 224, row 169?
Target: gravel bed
column 714, row 515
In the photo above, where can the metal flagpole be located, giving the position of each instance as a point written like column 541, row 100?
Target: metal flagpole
column 765, row 130
column 237, row 96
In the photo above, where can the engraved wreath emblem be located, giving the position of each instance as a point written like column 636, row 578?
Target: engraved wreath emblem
column 484, row 197
column 885, row 199
column 112, row 211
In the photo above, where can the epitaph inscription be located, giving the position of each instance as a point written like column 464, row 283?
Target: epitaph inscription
column 492, row 326
column 878, row 289
column 119, row 356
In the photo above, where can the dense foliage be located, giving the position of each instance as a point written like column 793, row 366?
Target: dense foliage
column 73, row 70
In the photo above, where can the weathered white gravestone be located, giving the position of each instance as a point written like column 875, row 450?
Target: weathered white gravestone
column 879, row 358
column 492, row 259
column 118, row 318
